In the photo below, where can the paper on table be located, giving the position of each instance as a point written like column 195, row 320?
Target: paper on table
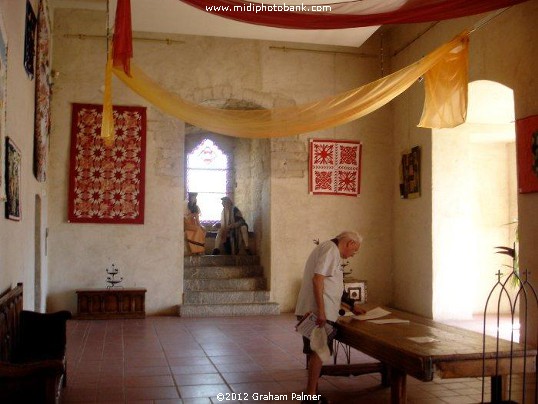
column 422, row 340
column 389, row 321
column 378, row 312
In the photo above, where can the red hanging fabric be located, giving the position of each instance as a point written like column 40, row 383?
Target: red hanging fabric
column 347, row 14
column 123, row 37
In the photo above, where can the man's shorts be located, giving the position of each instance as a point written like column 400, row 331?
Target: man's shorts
column 306, row 342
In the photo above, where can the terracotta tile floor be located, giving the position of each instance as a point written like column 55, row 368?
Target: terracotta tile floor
column 186, row 360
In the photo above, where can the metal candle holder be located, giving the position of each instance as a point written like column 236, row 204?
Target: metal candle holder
column 111, row 278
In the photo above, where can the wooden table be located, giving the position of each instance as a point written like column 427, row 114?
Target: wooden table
column 454, row 353
column 110, row 303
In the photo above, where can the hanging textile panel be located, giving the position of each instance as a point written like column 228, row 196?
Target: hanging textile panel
column 43, row 94
column 527, row 154
column 335, row 167
column 106, row 184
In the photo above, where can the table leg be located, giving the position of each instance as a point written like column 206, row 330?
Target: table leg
column 385, row 375
column 496, row 389
column 398, row 390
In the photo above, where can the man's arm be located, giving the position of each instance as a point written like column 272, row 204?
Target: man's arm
column 319, row 282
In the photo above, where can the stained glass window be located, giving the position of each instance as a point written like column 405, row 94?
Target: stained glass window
column 209, row 174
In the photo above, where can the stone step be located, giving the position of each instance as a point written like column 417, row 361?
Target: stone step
column 223, row 272
column 220, row 260
column 243, row 309
column 225, row 285
column 224, row 297
column 254, row 283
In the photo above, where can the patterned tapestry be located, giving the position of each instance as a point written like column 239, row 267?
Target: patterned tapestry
column 106, row 184
column 43, row 93
column 3, row 97
column 335, row 167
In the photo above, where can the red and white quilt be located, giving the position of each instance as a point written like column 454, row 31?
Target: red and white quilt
column 335, row 167
column 106, row 184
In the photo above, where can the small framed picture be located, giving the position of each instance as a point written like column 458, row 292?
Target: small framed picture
column 356, row 290
column 13, row 180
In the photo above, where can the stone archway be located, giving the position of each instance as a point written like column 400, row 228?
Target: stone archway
column 251, row 162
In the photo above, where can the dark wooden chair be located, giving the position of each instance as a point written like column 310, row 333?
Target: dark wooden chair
column 32, row 352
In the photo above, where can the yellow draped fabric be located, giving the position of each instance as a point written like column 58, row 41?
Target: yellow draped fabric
column 444, row 69
column 445, row 88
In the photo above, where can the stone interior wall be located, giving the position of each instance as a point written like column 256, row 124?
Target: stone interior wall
column 148, row 255
column 297, row 218
column 271, row 174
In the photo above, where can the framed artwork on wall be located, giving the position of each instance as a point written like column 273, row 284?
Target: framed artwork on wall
column 410, row 174
column 13, row 180
column 527, row 154
column 3, row 97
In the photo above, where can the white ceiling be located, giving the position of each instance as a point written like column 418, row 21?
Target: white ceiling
column 175, row 17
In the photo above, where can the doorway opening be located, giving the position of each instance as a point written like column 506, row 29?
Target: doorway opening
column 474, row 200
column 38, row 248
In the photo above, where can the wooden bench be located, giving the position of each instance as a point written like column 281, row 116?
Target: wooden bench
column 32, row 352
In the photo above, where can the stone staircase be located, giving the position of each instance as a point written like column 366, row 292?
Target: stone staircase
column 225, row 285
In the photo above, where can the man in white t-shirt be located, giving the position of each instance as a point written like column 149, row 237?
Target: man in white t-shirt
column 321, row 292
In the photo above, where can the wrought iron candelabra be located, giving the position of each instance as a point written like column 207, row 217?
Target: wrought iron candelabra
column 521, row 298
column 111, row 278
